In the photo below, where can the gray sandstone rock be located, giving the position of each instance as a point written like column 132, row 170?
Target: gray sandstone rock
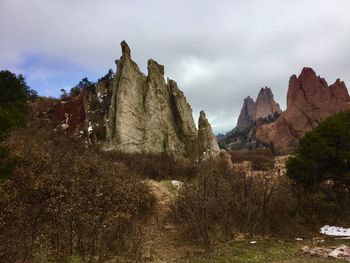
column 207, row 143
column 150, row 115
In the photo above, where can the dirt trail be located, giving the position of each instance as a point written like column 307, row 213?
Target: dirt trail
column 160, row 237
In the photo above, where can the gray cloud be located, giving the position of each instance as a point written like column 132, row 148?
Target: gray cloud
column 218, row 51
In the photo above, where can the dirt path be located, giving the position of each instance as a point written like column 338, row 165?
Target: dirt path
column 160, row 236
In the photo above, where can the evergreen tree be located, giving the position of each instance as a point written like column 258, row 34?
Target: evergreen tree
column 324, row 154
column 14, row 93
column 83, row 84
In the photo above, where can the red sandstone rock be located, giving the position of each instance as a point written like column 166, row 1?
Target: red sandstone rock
column 309, row 101
column 264, row 107
column 71, row 114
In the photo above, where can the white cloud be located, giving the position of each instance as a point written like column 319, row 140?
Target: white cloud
column 218, row 51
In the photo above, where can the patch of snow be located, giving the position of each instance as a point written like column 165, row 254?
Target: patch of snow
column 335, row 231
column 64, row 126
column 90, row 128
column 100, row 97
column 176, row 183
column 252, row 242
column 298, row 239
column 67, row 117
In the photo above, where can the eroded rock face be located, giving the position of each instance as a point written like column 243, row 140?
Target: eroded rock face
column 264, row 107
column 207, row 144
column 148, row 114
column 135, row 113
column 265, row 104
column 247, row 116
column 309, row 101
column 71, row 114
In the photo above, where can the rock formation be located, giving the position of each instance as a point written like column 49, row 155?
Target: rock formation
column 135, row 113
column 309, row 101
column 71, row 114
column 207, row 143
column 264, row 107
column 247, row 116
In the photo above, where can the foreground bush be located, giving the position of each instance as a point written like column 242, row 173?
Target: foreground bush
column 64, row 200
column 219, row 204
column 324, row 154
column 155, row 166
column 321, row 172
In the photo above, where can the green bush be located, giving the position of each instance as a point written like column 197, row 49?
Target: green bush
column 321, row 172
column 323, row 154
column 14, row 94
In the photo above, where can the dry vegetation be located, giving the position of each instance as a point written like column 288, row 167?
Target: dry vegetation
column 261, row 159
column 221, row 204
column 156, row 167
column 67, row 202
column 64, row 200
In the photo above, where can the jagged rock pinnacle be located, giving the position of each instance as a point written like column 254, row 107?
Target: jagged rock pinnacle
column 208, row 146
column 126, row 53
column 154, row 67
column 263, row 107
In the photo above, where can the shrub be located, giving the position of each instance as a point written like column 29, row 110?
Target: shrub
column 155, row 166
column 262, row 163
column 261, row 159
column 14, row 93
column 320, row 170
column 219, row 203
column 64, row 199
column 324, row 154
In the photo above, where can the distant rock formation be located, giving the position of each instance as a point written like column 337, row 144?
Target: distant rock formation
column 135, row 113
column 253, row 113
column 309, row 101
column 247, row 116
column 264, row 107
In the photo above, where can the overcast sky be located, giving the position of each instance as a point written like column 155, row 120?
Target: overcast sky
column 218, row 51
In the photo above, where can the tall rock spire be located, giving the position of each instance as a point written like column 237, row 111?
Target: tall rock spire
column 263, row 107
column 265, row 104
column 207, row 143
column 148, row 114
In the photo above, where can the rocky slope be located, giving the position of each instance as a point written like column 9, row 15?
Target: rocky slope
column 264, row 107
column 138, row 113
column 309, row 100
